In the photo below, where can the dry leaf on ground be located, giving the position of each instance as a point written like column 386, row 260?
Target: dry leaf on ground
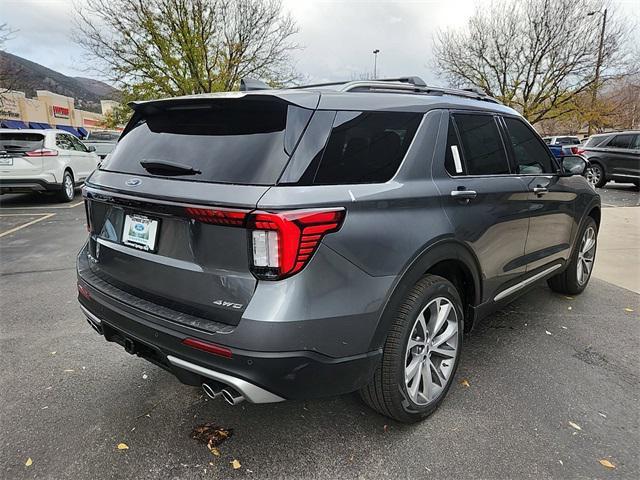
column 236, row 464
column 28, row 462
column 465, row 383
column 214, row 451
column 628, row 310
column 547, row 332
column 575, row 425
column 606, row 463
column 123, row 446
column 210, row 434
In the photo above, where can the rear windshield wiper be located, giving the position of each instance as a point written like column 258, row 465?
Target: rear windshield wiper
column 163, row 167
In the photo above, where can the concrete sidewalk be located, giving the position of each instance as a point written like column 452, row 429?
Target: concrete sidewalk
column 618, row 256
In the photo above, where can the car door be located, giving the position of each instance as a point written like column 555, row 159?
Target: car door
column 551, row 198
column 486, row 204
column 86, row 159
column 67, row 151
column 623, row 156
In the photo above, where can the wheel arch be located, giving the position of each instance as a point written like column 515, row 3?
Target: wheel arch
column 448, row 258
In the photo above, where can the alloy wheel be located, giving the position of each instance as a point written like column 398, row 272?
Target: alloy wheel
column 68, row 186
column 586, row 255
column 594, row 175
column 431, row 351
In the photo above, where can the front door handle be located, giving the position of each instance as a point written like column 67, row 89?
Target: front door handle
column 540, row 190
column 464, row 194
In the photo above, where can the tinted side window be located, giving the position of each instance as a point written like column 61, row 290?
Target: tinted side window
column 620, row 141
column 482, row 147
column 64, row 141
column 636, row 143
column 530, row 155
column 366, row 147
column 78, row 145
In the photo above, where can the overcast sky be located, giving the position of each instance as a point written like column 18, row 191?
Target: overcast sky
column 338, row 36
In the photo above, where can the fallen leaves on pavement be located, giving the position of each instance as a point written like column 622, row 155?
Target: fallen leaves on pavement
column 236, row 464
column 123, row 446
column 465, row 383
column 575, row 425
column 606, row 463
column 628, row 310
column 211, row 435
column 28, row 462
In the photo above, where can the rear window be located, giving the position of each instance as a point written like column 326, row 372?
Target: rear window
column 18, row 142
column 361, row 147
column 104, row 136
column 224, row 141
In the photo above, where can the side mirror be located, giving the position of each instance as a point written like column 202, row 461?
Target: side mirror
column 574, row 165
column 91, row 148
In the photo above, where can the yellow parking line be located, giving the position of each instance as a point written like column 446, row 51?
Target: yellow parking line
column 24, row 225
column 47, row 207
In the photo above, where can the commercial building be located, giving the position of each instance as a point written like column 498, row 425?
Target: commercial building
column 49, row 110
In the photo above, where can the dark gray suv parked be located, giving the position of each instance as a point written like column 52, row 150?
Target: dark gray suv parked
column 288, row 244
column 613, row 156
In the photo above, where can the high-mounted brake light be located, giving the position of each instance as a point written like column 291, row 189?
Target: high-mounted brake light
column 218, row 216
column 282, row 243
column 42, row 152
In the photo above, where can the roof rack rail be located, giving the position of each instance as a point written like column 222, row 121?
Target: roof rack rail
column 380, row 86
column 413, row 80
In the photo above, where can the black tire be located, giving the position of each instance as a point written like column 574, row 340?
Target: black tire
column 568, row 282
column 596, row 175
column 387, row 393
column 66, row 194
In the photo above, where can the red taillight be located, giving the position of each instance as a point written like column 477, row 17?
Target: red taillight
column 282, row 243
column 42, row 152
column 218, row 216
column 577, row 150
column 82, row 290
column 208, row 347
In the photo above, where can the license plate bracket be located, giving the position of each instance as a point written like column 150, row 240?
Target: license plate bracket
column 140, row 232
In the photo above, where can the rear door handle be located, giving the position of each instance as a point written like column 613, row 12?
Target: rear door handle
column 464, row 194
column 540, row 190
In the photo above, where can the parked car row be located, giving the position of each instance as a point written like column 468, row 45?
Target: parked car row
column 49, row 160
column 612, row 156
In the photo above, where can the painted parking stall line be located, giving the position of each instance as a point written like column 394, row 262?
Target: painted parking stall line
column 42, row 216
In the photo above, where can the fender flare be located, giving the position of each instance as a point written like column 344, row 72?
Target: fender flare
column 441, row 250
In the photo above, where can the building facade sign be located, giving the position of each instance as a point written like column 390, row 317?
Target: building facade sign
column 59, row 112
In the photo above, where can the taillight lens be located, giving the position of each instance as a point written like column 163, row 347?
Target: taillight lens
column 577, row 150
column 282, row 243
column 218, row 216
column 42, row 152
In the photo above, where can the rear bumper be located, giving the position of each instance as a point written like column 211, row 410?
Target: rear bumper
column 261, row 376
column 22, row 185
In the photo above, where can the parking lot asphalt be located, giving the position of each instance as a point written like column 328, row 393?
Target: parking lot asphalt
column 547, row 387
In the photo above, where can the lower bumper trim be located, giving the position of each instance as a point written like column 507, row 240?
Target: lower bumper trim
column 251, row 392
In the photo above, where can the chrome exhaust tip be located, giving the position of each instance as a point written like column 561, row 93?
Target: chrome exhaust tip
column 232, row 397
column 210, row 391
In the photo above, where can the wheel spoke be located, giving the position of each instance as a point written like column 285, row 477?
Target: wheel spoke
column 413, row 389
column 589, row 244
column 427, row 383
column 445, row 336
column 441, row 378
column 414, row 343
column 441, row 316
column 412, row 368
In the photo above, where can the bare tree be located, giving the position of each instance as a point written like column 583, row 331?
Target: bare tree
column 7, row 72
column 179, row 47
column 535, row 56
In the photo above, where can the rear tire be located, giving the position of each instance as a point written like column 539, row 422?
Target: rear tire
column 68, row 190
column 421, row 353
column 596, row 175
column 575, row 277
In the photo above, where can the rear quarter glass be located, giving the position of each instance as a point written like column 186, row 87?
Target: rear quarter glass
column 228, row 141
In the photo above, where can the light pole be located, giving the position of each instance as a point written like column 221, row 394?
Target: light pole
column 375, row 63
column 596, row 80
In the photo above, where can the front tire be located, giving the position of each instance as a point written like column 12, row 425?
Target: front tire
column 576, row 276
column 68, row 190
column 421, row 353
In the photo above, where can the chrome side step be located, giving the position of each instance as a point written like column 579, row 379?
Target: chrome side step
column 251, row 392
column 528, row 281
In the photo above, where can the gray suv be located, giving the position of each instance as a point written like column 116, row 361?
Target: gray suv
column 290, row 244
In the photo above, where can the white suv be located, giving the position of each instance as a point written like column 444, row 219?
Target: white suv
column 44, row 160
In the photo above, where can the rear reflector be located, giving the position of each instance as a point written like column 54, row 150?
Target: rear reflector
column 283, row 243
column 577, row 150
column 42, row 152
column 207, row 347
column 84, row 292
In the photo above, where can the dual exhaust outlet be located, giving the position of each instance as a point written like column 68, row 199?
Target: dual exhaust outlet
column 231, row 396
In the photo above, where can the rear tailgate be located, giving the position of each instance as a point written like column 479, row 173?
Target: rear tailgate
column 194, row 267
column 166, row 210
